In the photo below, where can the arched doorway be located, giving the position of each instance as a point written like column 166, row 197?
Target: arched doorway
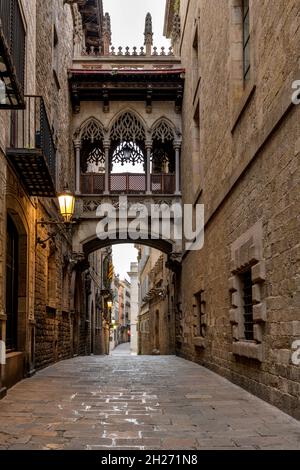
column 12, row 285
column 18, row 339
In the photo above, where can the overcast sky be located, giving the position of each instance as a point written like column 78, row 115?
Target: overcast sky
column 123, row 255
column 128, row 21
column 128, row 24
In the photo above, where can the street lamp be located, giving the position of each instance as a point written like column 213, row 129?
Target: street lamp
column 109, row 307
column 67, row 205
column 66, row 202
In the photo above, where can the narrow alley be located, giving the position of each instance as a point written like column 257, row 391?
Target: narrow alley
column 149, row 226
column 138, row 402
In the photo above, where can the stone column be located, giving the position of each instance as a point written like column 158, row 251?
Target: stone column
column 77, row 145
column 177, row 147
column 106, row 34
column 148, row 145
column 148, row 34
column 106, row 145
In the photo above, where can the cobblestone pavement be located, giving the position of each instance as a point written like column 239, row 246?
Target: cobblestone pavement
column 134, row 402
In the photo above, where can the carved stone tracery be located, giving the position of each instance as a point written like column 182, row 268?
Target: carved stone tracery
column 162, row 155
column 128, row 152
column 162, row 132
column 92, row 130
column 127, row 128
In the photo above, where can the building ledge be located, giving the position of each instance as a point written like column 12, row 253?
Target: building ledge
column 248, row 349
column 13, row 354
column 199, row 342
column 32, row 168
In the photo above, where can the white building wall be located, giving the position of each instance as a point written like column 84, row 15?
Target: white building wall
column 134, row 308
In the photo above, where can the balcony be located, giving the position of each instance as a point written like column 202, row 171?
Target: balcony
column 12, row 55
column 127, row 183
column 122, row 160
column 32, row 152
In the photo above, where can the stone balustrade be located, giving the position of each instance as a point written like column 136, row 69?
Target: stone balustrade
column 127, row 52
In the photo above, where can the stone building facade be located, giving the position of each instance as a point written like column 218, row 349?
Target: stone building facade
column 156, row 321
column 134, row 307
column 240, row 313
column 124, row 312
column 42, row 285
column 211, row 121
column 115, row 313
column 37, row 331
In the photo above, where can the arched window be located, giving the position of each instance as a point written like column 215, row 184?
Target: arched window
column 127, row 156
column 126, row 159
column 92, row 151
column 92, row 156
column 163, row 156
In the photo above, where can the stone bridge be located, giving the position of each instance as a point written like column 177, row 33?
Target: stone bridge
column 162, row 232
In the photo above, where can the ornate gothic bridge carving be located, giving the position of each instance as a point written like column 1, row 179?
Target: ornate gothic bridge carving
column 154, row 155
column 86, row 232
column 127, row 137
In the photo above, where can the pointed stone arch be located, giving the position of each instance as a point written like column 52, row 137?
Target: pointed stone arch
column 163, row 130
column 91, row 129
column 162, row 151
column 90, row 154
column 128, row 135
column 119, row 128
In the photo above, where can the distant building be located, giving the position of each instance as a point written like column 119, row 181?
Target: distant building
column 156, row 321
column 124, row 310
column 134, row 307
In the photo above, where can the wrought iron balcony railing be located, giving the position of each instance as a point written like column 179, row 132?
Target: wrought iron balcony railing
column 32, row 151
column 12, row 55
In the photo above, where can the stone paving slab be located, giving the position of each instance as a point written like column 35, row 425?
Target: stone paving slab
column 138, row 402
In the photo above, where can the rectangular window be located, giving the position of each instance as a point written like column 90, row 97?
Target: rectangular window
column 246, row 39
column 55, row 58
column 196, row 136
column 246, row 279
column 195, row 64
column 199, row 324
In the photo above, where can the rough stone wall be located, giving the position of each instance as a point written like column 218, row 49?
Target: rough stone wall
column 52, row 316
column 249, row 172
column 13, row 200
column 28, row 8
column 54, row 18
column 2, row 227
column 157, row 317
column 54, row 31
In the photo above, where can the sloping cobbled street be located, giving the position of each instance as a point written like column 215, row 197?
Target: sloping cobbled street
column 138, row 402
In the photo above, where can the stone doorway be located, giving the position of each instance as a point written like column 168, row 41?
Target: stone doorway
column 16, row 300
